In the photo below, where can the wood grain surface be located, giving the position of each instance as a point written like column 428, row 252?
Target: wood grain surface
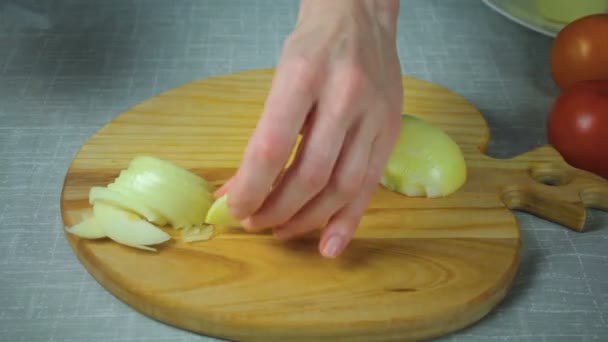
column 417, row 267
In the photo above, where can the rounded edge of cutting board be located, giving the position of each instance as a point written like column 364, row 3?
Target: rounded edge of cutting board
column 109, row 263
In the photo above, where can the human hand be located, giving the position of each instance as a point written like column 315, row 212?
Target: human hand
column 338, row 83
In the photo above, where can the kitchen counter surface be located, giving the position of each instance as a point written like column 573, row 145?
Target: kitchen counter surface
column 68, row 67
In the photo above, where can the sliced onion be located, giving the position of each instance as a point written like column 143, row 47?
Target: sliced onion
column 183, row 198
column 181, row 175
column 149, row 190
column 127, row 228
column 424, row 162
column 87, row 229
column 126, row 201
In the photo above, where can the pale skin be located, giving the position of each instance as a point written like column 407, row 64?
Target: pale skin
column 338, row 83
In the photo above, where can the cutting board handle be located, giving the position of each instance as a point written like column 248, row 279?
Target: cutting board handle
column 541, row 183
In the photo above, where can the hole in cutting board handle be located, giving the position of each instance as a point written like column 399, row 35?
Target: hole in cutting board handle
column 550, row 175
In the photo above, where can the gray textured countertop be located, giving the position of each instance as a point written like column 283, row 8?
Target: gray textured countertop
column 68, row 67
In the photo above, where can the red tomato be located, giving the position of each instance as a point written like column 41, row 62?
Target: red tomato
column 580, row 51
column 578, row 126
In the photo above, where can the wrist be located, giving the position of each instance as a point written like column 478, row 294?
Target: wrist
column 385, row 12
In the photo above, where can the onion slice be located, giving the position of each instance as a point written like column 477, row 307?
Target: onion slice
column 126, row 201
column 127, row 228
column 87, row 229
column 162, row 187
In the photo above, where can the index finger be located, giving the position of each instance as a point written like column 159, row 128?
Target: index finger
column 290, row 100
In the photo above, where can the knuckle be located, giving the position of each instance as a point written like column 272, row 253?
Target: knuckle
column 269, row 151
column 354, row 90
column 293, row 39
column 350, row 222
column 394, row 127
column 271, row 216
column 288, row 227
column 348, row 186
column 301, row 226
column 340, row 112
column 392, row 121
column 246, row 200
column 314, row 178
column 355, row 80
column 304, row 72
column 301, row 64
column 304, row 225
column 372, row 177
column 278, row 219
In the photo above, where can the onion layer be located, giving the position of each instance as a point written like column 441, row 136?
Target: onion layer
column 127, row 228
column 87, row 229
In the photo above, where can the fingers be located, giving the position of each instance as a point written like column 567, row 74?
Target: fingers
column 343, row 100
column 345, row 184
column 289, row 102
column 306, row 178
column 223, row 189
column 342, row 226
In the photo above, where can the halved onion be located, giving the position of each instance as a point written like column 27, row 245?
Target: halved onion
column 424, row 162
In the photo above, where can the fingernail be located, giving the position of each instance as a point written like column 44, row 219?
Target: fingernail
column 332, row 247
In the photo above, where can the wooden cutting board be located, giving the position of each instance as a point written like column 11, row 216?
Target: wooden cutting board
column 417, row 268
